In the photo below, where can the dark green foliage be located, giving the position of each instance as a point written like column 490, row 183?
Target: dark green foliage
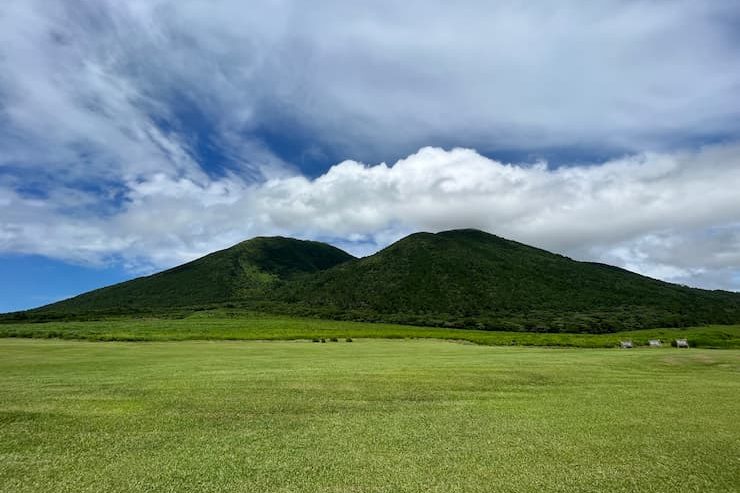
column 455, row 279
column 250, row 270
column 472, row 279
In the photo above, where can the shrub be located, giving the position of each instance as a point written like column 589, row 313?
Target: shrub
column 334, row 339
column 323, row 340
column 349, row 339
column 314, row 340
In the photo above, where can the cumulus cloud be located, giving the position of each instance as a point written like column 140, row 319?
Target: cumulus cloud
column 672, row 216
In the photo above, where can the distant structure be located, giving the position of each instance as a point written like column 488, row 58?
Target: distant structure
column 625, row 344
column 655, row 343
column 682, row 343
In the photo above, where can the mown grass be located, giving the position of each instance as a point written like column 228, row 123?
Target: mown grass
column 370, row 416
column 219, row 326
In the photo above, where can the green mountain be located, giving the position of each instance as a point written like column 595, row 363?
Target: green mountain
column 461, row 278
column 469, row 278
column 250, row 270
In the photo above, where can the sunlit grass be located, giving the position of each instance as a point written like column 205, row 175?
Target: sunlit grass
column 369, row 416
column 205, row 326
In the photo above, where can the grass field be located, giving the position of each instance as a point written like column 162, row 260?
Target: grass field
column 223, row 326
column 367, row 416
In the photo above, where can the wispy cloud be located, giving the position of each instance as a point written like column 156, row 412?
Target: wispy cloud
column 371, row 81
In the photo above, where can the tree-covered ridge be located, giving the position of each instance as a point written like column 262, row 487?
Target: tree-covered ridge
column 248, row 270
column 471, row 278
column 460, row 278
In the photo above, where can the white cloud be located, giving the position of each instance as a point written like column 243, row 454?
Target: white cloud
column 673, row 216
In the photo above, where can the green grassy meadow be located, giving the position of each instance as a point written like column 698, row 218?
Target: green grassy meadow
column 219, row 325
column 368, row 416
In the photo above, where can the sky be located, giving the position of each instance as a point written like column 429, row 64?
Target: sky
column 139, row 134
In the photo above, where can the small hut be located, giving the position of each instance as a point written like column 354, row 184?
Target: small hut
column 682, row 343
column 655, row 343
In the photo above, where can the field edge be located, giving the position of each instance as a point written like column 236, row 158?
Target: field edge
column 267, row 327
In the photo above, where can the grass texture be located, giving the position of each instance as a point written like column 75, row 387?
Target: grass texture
column 367, row 416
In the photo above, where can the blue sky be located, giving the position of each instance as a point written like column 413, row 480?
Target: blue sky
column 136, row 135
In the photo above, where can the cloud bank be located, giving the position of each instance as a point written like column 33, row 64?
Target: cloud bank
column 671, row 216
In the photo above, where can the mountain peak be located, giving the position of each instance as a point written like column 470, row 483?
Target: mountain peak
column 455, row 278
